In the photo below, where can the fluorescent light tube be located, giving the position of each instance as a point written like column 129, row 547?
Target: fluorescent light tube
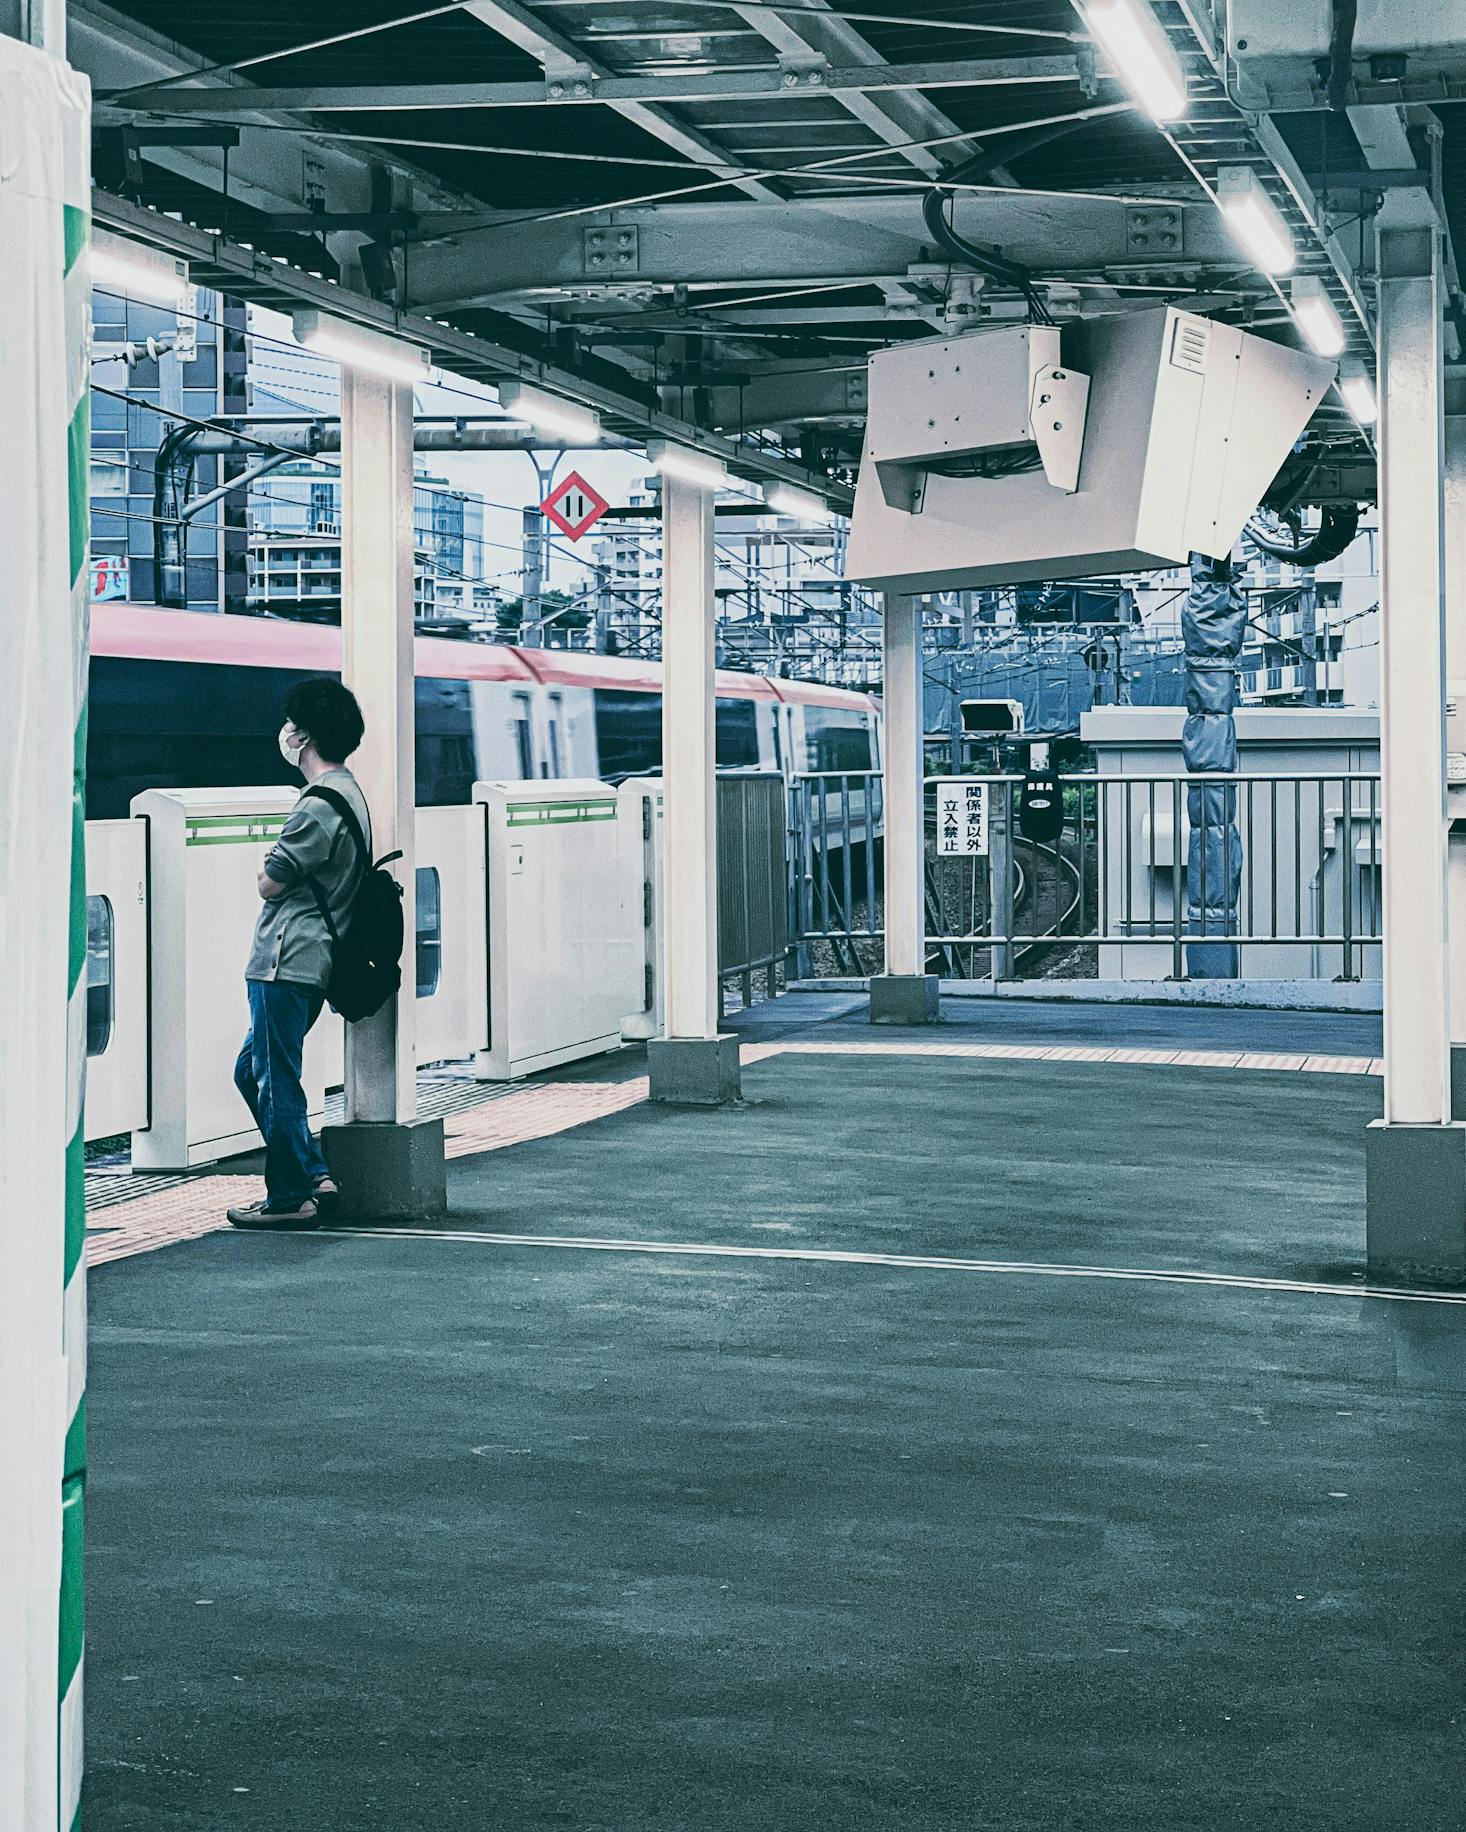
column 356, row 348
column 798, row 504
column 562, row 419
column 1314, row 314
column 689, row 466
column 1255, row 219
column 1357, row 393
column 139, row 272
column 1142, row 54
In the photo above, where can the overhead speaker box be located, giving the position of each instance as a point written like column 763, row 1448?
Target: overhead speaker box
column 1127, row 442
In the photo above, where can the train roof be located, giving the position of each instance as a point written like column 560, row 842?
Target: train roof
column 149, row 633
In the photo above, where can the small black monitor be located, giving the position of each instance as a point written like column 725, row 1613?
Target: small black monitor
column 991, row 718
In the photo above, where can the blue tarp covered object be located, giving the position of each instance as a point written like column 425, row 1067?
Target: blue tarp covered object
column 1213, row 625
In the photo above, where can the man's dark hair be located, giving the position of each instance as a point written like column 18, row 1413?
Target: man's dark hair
column 328, row 714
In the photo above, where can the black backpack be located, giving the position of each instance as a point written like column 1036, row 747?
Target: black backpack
column 366, row 960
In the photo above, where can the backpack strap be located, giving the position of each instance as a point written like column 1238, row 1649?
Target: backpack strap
column 335, row 799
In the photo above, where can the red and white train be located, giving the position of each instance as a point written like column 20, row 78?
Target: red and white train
column 190, row 699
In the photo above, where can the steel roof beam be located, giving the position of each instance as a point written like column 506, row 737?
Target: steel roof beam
column 246, row 273
column 805, row 241
column 552, row 51
column 895, row 119
column 569, row 91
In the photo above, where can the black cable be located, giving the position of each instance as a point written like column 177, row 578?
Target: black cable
column 988, row 260
column 1341, row 54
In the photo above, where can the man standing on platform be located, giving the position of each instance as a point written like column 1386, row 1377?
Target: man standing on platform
column 310, row 879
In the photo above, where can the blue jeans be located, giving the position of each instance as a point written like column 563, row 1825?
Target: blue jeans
column 267, row 1074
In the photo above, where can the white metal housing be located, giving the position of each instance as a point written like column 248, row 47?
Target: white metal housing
column 207, row 847
column 1188, row 421
column 565, row 954
column 972, row 400
column 451, row 940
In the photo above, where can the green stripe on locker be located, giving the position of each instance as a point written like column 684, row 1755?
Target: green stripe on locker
column 233, row 830
column 558, row 813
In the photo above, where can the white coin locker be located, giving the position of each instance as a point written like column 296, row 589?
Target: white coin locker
column 207, row 847
column 566, row 953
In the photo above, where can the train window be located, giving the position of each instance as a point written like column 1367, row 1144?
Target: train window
column 101, row 1000
column 737, row 739
column 557, row 707
column 835, row 739
column 628, row 731
column 522, row 736
column 445, row 748
column 429, row 931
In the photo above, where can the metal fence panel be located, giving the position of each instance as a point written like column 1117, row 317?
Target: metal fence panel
column 1110, row 898
column 753, row 870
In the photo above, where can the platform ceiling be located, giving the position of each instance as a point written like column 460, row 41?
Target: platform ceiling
column 710, row 211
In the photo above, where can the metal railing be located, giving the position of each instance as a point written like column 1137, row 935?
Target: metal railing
column 753, row 898
column 1124, row 891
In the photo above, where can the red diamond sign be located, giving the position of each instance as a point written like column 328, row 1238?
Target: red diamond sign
column 574, row 507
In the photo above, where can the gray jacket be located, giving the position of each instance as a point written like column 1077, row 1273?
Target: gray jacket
column 292, row 941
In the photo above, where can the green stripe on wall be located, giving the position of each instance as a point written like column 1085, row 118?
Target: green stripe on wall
column 71, row 1582
column 76, row 226
column 76, row 1216
column 230, row 839
column 78, row 459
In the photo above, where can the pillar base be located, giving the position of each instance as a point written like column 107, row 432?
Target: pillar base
column 904, row 998
column 1415, row 1185
column 694, row 1071
column 388, row 1172
column 1458, row 1081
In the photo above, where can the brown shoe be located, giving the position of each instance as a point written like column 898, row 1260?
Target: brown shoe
column 262, row 1217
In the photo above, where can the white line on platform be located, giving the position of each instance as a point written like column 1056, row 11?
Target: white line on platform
column 901, row 1261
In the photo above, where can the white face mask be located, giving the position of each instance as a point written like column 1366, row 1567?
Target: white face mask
column 292, row 743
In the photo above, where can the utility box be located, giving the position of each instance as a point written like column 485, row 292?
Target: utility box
column 1308, row 836
column 207, row 847
column 565, row 953
column 1185, row 424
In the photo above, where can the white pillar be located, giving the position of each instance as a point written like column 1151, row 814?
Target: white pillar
column 1415, row 1157
column 689, row 783
column 905, row 993
column 377, row 665
column 905, row 817
column 690, row 1064
column 1412, row 680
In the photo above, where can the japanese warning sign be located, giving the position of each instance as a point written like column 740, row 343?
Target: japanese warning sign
column 574, row 507
column 962, row 817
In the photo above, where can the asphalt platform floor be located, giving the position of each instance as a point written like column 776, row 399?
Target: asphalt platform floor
column 1089, row 1489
